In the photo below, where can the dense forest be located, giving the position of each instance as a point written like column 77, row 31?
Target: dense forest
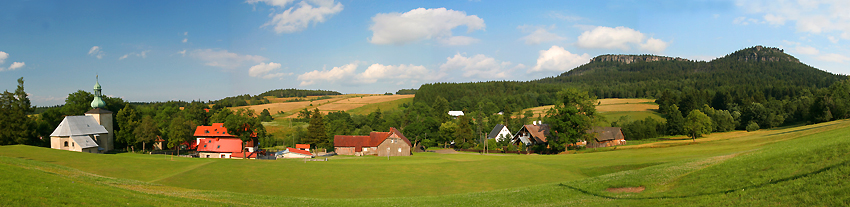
column 246, row 99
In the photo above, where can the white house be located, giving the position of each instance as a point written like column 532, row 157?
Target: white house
column 455, row 113
column 500, row 133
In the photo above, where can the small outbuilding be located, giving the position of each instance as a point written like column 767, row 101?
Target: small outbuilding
column 607, row 137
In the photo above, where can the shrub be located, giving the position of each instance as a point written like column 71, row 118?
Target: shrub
column 752, row 126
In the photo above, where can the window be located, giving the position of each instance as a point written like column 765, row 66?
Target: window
column 218, row 147
column 72, row 144
column 222, row 156
column 208, row 156
column 66, row 143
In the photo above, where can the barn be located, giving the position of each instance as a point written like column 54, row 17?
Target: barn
column 392, row 143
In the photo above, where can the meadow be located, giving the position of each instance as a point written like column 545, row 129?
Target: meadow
column 795, row 166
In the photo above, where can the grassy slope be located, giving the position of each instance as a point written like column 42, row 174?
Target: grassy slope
column 796, row 166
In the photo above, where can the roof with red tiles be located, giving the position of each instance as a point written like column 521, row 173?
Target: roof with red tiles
column 298, row 151
column 302, row 146
column 220, row 145
column 216, row 130
column 373, row 140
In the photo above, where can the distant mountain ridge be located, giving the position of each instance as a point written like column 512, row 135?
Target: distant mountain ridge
column 758, row 71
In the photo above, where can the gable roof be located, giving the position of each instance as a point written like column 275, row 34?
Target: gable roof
column 84, row 141
column 298, row 151
column 538, row 132
column 78, row 125
column 373, row 140
column 607, row 133
column 495, row 132
column 302, row 146
column 216, row 130
column 219, row 145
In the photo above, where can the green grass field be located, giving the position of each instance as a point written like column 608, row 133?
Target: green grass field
column 797, row 166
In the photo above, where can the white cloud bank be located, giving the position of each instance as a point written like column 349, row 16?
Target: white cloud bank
column 347, row 74
column 14, row 66
column 143, row 54
column 622, row 38
column 96, row 52
column 813, row 16
column 300, row 15
column 266, row 71
column 224, row 59
column 3, row 56
column 538, row 34
column 423, row 24
column 479, row 66
column 557, row 59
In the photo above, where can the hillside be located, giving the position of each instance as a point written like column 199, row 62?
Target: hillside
column 756, row 74
column 797, row 166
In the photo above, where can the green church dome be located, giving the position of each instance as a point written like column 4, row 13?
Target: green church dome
column 98, row 102
column 97, row 85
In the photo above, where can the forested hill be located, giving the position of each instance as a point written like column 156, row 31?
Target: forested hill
column 755, row 74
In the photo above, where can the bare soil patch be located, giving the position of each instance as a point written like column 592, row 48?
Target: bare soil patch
column 624, row 100
column 626, row 107
column 626, row 189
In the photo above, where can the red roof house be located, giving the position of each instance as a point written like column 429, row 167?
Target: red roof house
column 214, row 142
column 391, row 143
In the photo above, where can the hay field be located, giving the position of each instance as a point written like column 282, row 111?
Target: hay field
column 609, row 105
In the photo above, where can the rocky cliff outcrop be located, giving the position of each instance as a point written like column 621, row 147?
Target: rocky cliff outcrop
column 762, row 54
column 627, row 59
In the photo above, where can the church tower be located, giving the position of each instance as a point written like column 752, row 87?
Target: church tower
column 103, row 117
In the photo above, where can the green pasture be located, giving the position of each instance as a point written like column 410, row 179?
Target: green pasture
column 798, row 166
column 633, row 116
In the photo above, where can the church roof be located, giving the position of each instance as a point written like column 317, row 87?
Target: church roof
column 84, row 141
column 78, row 125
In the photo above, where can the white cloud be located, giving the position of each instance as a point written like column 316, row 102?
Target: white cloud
column 654, row 45
column 337, row 73
column 561, row 16
column 185, row 40
column 185, row 33
column 833, row 39
column 622, row 38
column 182, row 52
column 300, row 15
column 479, row 66
column 16, row 65
column 3, row 56
column 264, row 70
column 557, row 59
column 423, row 24
column 538, row 35
column 96, row 52
column 815, row 16
column 832, row 57
column 806, row 50
column 377, row 72
column 747, row 21
column 142, row 54
column 457, row 40
column 224, row 59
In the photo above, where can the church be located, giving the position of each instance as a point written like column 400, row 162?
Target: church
column 91, row 132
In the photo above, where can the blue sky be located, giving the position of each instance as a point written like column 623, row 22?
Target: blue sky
column 207, row 50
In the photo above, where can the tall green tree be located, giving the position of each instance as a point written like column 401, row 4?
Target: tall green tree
column 570, row 119
column 128, row 119
column 675, row 120
column 463, row 134
column 15, row 126
column 245, row 126
column 179, row 131
column 316, row 130
column 146, row 132
column 697, row 124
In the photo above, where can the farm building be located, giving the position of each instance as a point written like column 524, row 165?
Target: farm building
column 391, row 143
column 606, row 137
column 499, row 132
column 214, row 142
column 89, row 133
column 533, row 134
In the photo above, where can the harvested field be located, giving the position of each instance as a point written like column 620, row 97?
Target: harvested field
column 373, row 99
column 608, row 101
column 626, row 107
